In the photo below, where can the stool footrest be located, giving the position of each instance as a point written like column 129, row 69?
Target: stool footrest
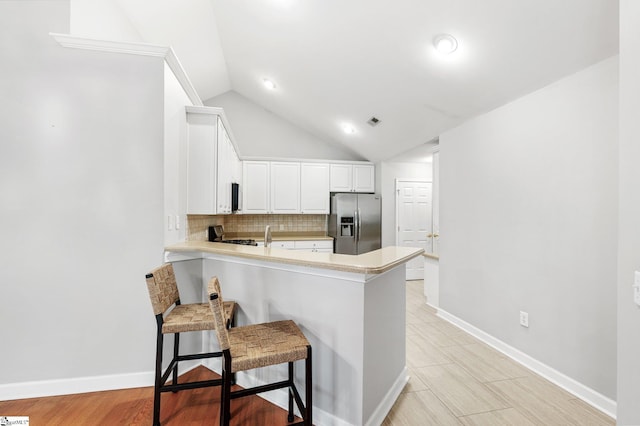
column 199, row 356
column 191, row 385
column 259, row 389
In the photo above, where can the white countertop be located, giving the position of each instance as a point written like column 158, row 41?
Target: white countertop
column 374, row 262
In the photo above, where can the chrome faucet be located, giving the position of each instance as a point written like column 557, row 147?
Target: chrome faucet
column 267, row 236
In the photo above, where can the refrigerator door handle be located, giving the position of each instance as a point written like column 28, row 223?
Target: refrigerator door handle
column 356, row 219
column 359, row 229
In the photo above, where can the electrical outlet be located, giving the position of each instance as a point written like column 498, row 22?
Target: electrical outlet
column 281, row 227
column 169, row 223
column 177, row 221
column 524, row 319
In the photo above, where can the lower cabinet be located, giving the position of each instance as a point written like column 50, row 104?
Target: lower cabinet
column 321, row 246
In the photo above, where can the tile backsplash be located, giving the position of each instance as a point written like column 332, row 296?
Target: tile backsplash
column 198, row 226
column 245, row 224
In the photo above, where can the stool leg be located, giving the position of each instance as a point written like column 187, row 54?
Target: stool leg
column 230, row 324
column 308, row 417
column 226, row 389
column 158, row 378
column 176, row 350
column 222, row 397
column 290, row 416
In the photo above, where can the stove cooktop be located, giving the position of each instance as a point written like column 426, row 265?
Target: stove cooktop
column 241, row 242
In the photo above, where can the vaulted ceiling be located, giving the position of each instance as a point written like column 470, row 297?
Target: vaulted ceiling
column 344, row 61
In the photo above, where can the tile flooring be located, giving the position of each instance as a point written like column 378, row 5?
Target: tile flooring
column 458, row 380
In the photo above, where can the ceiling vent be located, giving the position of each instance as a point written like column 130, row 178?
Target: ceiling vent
column 373, row 121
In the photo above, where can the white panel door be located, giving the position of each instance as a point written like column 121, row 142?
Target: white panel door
column 436, row 202
column 414, row 221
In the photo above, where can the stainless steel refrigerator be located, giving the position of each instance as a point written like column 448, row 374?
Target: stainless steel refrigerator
column 354, row 223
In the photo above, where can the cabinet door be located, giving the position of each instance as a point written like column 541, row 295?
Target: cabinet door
column 363, row 178
column 289, row 245
column 255, row 195
column 201, row 164
column 341, row 178
column 224, row 171
column 314, row 188
column 285, row 187
column 324, row 246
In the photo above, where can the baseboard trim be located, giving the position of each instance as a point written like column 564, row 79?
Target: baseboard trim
column 44, row 388
column 588, row 395
column 381, row 411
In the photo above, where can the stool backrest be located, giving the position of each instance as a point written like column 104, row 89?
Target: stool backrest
column 163, row 290
column 216, row 303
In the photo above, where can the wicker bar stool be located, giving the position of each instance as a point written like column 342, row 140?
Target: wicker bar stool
column 260, row 345
column 163, row 292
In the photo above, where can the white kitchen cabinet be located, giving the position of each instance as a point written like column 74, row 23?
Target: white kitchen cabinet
column 314, row 188
column 285, row 188
column 255, row 195
column 320, row 246
column 323, row 246
column 341, row 178
column 352, row 177
column 211, row 162
column 364, row 176
column 201, row 163
column 228, row 166
column 289, row 245
column 271, row 187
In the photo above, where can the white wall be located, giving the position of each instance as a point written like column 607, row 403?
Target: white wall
column 260, row 133
column 388, row 173
column 175, row 158
column 529, row 222
column 629, row 229
column 101, row 19
column 81, row 181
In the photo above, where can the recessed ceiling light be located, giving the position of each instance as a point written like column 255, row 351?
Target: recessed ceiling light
column 445, row 43
column 268, row 84
column 348, row 128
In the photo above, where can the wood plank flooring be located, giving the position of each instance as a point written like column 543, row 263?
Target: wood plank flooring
column 135, row 407
column 458, row 380
column 455, row 380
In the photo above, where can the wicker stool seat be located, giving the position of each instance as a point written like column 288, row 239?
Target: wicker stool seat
column 163, row 292
column 260, row 345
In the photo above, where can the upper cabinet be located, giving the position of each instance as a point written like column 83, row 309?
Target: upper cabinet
column 255, row 194
column 314, row 188
column 352, row 177
column 285, row 188
column 288, row 187
column 212, row 162
column 271, row 187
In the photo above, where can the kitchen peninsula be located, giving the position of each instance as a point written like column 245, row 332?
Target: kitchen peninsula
column 351, row 308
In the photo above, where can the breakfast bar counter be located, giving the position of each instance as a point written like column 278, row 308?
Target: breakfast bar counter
column 374, row 262
column 351, row 309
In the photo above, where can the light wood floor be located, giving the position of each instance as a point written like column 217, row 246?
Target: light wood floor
column 455, row 380
column 458, row 380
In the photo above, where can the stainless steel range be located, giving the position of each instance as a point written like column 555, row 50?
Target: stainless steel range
column 216, row 235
